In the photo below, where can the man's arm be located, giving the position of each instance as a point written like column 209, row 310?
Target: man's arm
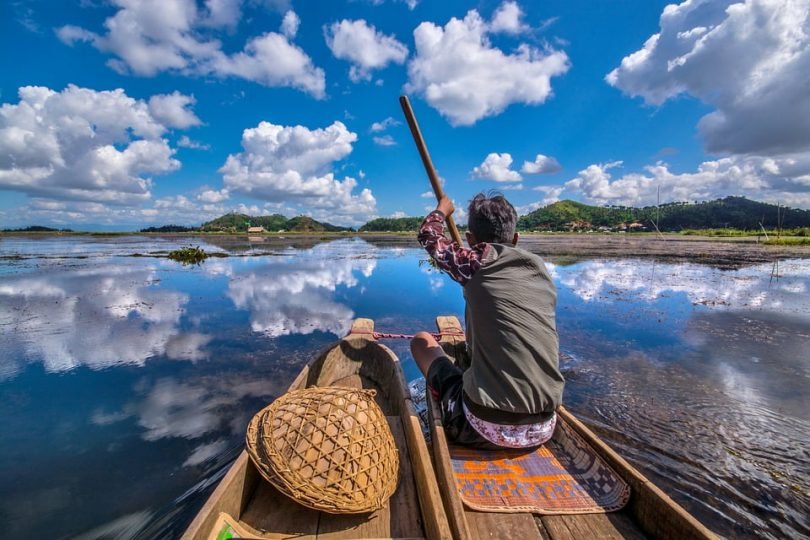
column 461, row 263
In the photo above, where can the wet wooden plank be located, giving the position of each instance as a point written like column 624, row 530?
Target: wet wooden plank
column 490, row 526
column 277, row 516
column 444, row 474
column 556, row 529
column 374, row 525
column 612, row 526
column 430, row 500
column 406, row 518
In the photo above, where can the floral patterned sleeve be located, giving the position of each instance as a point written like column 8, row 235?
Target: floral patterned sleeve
column 460, row 262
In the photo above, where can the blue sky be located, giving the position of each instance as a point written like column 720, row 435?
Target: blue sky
column 125, row 113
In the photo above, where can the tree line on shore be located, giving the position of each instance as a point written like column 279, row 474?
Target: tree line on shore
column 730, row 213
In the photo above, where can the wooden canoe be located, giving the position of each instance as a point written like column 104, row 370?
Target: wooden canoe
column 253, row 508
column 650, row 513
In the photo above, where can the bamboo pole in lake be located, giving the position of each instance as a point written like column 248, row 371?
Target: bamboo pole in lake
column 426, row 161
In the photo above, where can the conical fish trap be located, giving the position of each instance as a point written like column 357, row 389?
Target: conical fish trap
column 328, row 448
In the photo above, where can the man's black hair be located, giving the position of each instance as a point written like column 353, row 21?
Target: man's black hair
column 492, row 218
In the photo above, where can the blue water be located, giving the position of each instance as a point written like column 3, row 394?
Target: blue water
column 126, row 382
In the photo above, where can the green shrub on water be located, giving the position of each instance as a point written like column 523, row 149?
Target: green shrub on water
column 717, row 232
column 788, row 241
column 189, row 255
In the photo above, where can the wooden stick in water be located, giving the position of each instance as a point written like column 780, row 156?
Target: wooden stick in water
column 431, row 172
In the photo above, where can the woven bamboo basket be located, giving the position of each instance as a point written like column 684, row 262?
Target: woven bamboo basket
column 327, row 448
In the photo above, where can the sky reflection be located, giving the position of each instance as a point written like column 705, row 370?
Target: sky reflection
column 98, row 316
column 294, row 294
column 126, row 382
column 754, row 287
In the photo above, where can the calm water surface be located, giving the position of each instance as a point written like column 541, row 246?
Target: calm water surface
column 126, row 383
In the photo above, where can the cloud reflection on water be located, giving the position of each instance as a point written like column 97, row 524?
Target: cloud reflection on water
column 295, row 295
column 752, row 287
column 98, row 316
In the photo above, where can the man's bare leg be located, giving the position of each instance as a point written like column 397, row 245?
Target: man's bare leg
column 425, row 350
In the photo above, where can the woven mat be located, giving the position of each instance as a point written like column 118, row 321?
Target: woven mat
column 564, row 476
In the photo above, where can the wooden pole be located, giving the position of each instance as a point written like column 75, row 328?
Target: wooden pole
column 431, row 172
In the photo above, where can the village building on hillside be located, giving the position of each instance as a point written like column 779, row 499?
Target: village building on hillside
column 256, row 230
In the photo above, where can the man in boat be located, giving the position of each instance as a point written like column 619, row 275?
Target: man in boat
column 508, row 395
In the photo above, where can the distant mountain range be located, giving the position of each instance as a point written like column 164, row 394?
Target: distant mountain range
column 730, row 212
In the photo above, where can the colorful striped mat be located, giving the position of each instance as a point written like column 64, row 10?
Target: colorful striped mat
column 564, row 476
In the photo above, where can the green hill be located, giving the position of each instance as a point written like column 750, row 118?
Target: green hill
column 307, row 224
column 560, row 215
column 37, row 228
column 169, row 229
column 730, row 212
column 272, row 223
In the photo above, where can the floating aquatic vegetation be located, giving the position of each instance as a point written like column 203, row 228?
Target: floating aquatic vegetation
column 189, row 255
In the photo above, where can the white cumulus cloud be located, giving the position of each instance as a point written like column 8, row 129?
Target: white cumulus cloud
column 290, row 23
column 462, row 75
column 541, row 165
column 384, row 140
column 363, row 46
column 185, row 142
column 89, row 145
column 152, row 36
column 213, row 196
column 497, row 167
column 376, row 127
column 222, row 13
column 294, row 164
column 507, row 18
column 748, row 60
column 271, row 60
column 173, row 110
column 784, row 180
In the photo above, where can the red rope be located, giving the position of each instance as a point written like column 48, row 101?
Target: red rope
column 384, row 335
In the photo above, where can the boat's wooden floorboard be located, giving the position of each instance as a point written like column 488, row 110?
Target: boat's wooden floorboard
column 277, row 516
column 614, row 525
column 274, row 515
column 490, row 525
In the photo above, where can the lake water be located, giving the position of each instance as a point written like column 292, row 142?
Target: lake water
column 126, row 383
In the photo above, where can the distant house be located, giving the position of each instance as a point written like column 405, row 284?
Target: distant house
column 256, row 230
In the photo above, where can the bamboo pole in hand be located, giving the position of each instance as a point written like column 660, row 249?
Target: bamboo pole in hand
column 431, row 172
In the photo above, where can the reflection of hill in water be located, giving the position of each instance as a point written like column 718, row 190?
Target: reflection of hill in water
column 239, row 244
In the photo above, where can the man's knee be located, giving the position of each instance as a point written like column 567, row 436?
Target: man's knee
column 422, row 341
column 425, row 350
